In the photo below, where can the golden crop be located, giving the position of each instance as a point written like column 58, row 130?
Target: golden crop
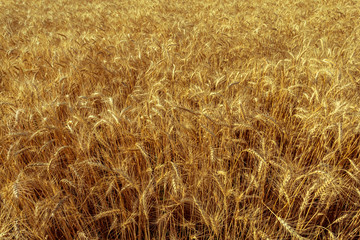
column 169, row 119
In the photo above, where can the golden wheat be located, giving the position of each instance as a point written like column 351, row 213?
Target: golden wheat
column 179, row 119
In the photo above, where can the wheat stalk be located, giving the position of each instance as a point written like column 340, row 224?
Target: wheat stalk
column 204, row 215
column 286, row 225
column 59, row 205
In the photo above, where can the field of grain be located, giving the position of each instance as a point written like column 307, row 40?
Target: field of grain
column 173, row 119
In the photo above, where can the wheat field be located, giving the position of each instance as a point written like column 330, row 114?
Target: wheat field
column 170, row 119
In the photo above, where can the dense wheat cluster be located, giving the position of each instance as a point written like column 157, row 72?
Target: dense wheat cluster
column 175, row 119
